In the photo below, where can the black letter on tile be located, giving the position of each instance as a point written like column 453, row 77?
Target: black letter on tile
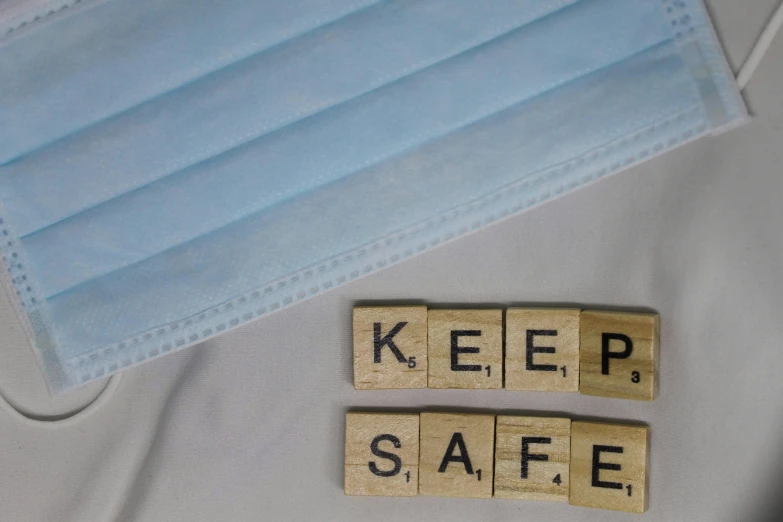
column 385, row 455
column 527, row 456
column 388, row 340
column 598, row 466
column 606, row 354
column 456, row 350
column 456, row 440
column 531, row 350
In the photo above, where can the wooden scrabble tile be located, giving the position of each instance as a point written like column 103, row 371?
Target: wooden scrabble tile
column 609, row 466
column 465, row 349
column 619, row 355
column 389, row 347
column 532, row 456
column 382, row 454
column 542, row 349
column 456, row 455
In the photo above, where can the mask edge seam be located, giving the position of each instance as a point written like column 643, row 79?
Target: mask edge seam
column 713, row 56
column 35, row 17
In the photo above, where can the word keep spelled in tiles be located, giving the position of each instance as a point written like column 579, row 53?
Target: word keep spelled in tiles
column 609, row 354
column 483, row 456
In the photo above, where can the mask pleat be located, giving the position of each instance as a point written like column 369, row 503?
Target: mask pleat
column 259, row 95
column 82, row 69
column 340, row 141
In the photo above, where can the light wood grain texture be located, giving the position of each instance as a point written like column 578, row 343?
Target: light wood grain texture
column 532, row 456
column 619, row 355
column 465, row 349
column 469, row 441
column 530, row 334
column 609, row 466
column 382, row 454
column 389, row 347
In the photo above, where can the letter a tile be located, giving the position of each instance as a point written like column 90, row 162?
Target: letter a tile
column 456, row 455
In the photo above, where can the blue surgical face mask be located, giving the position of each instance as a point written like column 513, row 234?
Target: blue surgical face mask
column 173, row 169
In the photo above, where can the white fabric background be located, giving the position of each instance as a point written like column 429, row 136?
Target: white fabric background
column 250, row 426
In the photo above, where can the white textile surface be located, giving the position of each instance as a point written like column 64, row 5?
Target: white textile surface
column 249, row 427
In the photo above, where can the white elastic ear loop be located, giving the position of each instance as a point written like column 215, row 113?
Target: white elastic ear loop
column 762, row 46
column 57, row 421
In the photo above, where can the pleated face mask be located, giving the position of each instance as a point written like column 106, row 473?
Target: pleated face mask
column 173, row 169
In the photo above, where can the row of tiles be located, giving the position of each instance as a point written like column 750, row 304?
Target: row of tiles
column 511, row 457
column 608, row 354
